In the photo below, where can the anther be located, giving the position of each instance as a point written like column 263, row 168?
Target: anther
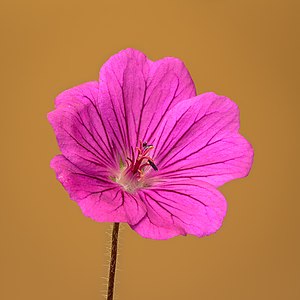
column 152, row 164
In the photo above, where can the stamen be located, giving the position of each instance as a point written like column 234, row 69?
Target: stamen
column 138, row 164
column 133, row 176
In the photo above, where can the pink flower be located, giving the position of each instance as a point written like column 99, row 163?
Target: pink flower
column 138, row 146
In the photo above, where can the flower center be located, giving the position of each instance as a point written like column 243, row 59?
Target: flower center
column 133, row 176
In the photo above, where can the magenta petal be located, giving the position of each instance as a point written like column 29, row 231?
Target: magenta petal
column 100, row 199
column 78, row 125
column 180, row 208
column 199, row 139
column 136, row 93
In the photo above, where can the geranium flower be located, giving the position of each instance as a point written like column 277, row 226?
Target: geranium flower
column 138, row 146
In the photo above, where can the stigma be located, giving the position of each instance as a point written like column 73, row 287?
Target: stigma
column 133, row 175
column 137, row 165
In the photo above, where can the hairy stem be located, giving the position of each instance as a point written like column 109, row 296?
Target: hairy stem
column 113, row 261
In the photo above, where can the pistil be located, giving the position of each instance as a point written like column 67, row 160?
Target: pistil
column 133, row 176
column 143, row 160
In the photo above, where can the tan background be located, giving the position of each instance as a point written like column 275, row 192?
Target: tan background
column 247, row 50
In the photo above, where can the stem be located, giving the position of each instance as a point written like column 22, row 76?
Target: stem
column 113, row 261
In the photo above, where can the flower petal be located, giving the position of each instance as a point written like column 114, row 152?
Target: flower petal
column 136, row 93
column 100, row 199
column 199, row 139
column 78, row 125
column 180, row 208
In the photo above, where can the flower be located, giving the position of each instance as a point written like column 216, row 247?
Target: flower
column 138, row 146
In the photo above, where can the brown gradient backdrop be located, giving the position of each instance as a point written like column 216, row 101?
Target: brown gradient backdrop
column 246, row 50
